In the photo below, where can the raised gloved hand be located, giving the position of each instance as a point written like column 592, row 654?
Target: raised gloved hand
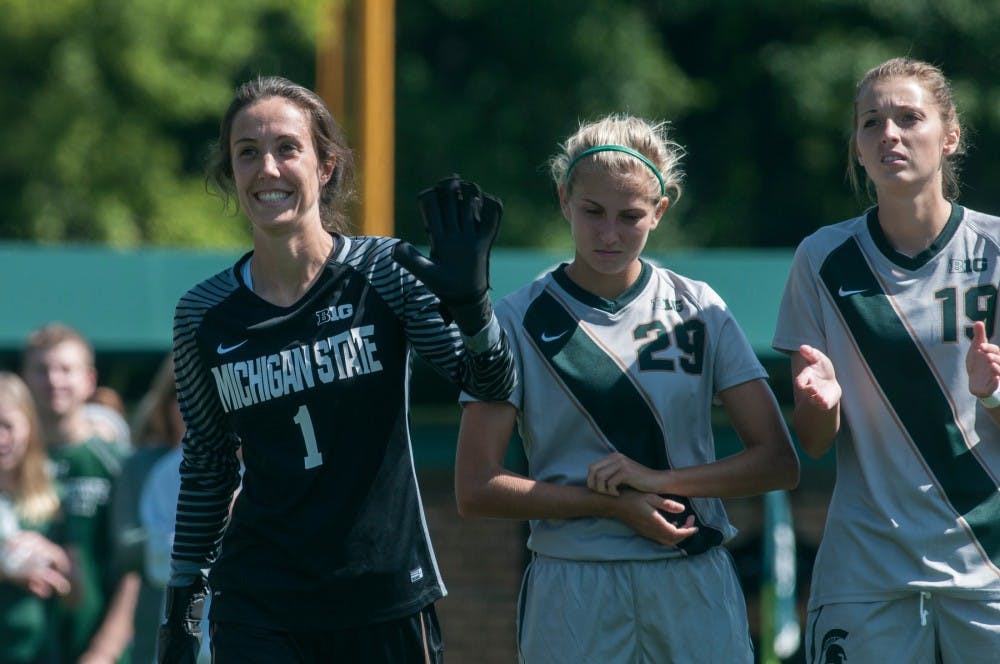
column 180, row 634
column 461, row 223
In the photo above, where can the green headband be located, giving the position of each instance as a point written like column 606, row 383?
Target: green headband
column 619, row 148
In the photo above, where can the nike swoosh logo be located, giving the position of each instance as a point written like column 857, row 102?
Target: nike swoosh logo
column 222, row 350
column 547, row 337
column 844, row 293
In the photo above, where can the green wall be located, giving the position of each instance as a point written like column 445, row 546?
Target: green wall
column 124, row 300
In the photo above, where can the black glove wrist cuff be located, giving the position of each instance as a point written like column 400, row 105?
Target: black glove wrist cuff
column 179, row 639
column 471, row 316
column 186, row 602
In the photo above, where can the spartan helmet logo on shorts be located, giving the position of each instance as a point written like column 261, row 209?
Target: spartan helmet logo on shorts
column 832, row 650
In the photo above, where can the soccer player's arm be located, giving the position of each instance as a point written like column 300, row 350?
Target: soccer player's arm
column 462, row 223
column 816, row 393
column 485, row 488
column 210, row 466
column 767, row 463
column 982, row 362
column 815, row 390
column 481, row 365
column 209, row 476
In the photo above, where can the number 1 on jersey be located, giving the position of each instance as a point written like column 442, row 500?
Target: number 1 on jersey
column 313, row 456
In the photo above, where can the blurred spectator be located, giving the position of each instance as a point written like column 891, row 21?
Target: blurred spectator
column 106, row 411
column 58, row 367
column 108, row 396
column 157, row 428
column 34, row 570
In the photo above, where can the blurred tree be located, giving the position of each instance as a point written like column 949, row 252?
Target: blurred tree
column 768, row 157
column 487, row 87
column 760, row 94
column 110, row 104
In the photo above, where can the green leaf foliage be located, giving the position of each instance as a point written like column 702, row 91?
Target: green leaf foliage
column 110, row 105
column 487, row 88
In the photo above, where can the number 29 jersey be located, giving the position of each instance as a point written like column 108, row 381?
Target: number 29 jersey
column 328, row 530
column 916, row 505
column 636, row 375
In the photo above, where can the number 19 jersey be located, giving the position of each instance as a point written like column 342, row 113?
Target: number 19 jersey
column 916, row 505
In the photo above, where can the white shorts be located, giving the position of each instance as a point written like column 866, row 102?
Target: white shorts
column 675, row 611
column 922, row 627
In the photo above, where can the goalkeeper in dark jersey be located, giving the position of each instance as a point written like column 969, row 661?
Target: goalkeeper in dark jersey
column 299, row 354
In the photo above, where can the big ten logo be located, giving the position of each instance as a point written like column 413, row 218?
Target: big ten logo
column 334, row 313
column 968, row 265
column 664, row 304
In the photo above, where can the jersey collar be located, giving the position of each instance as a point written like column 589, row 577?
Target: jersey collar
column 921, row 259
column 598, row 302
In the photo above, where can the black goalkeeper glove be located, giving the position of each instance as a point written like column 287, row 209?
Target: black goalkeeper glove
column 180, row 634
column 461, row 222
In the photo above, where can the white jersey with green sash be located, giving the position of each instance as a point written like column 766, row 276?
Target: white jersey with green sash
column 916, row 503
column 635, row 375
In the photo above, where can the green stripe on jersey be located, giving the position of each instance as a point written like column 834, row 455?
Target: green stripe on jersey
column 606, row 396
column 913, row 391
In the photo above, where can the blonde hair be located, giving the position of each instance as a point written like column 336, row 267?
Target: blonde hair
column 154, row 423
column 933, row 81
column 645, row 137
column 35, row 499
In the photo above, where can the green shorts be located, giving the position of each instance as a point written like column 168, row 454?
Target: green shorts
column 922, row 627
column 673, row 610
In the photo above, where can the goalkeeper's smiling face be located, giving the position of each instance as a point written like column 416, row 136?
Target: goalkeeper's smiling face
column 276, row 170
column 611, row 217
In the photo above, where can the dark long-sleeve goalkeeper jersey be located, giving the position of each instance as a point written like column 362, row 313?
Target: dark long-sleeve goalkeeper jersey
column 328, row 530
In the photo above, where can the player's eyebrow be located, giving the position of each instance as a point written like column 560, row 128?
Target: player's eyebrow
column 891, row 106
column 252, row 139
column 590, row 201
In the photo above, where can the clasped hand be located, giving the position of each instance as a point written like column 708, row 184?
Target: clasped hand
column 641, row 508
